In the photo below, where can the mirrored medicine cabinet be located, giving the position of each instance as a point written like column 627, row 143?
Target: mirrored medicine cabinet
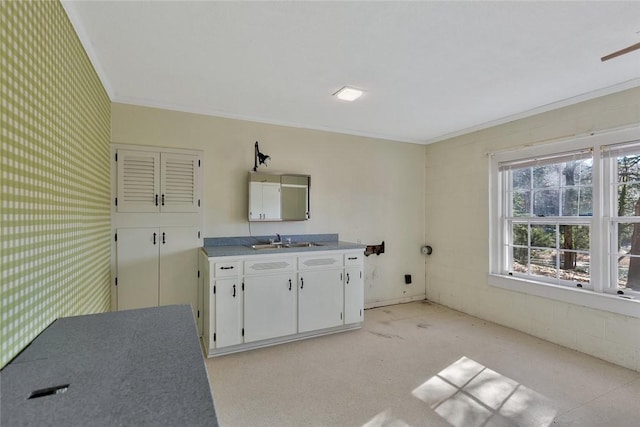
column 274, row 197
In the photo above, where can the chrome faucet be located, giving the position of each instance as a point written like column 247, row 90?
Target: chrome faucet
column 276, row 242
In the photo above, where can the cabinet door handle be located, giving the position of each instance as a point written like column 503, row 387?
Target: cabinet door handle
column 234, row 291
column 347, row 278
column 156, row 200
column 154, row 238
column 163, row 200
column 289, row 284
column 164, row 237
column 301, row 283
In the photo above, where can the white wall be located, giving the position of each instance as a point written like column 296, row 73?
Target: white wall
column 367, row 190
column 457, row 226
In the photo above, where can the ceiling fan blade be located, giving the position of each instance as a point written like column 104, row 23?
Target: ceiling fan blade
column 621, row 52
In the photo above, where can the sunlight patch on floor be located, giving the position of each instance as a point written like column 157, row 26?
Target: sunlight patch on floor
column 468, row 394
column 385, row 419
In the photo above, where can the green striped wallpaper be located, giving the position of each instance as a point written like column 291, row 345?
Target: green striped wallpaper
column 54, row 175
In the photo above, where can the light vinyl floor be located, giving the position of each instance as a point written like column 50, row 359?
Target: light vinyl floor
column 421, row 364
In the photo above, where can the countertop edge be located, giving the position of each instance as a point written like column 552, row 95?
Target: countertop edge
column 240, row 250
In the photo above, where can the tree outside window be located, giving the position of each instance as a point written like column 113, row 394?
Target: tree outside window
column 628, row 236
column 549, row 229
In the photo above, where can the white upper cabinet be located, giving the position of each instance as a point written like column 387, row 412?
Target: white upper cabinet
column 278, row 197
column 155, row 181
column 264, row 197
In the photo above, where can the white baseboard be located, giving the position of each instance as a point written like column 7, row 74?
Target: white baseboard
column 382, row 303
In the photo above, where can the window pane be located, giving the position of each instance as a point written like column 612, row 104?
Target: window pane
column 555, row 189
column 628, row 168
column 546, row 176
column 583, row 173
column 628, row 200
column 585, row 202
column 629, row 238
column 574, row 266
column 577, row 201
column 521, row 203
column 521, row 179
column 629, row 273
column 576, row 172
column 543, row 236
column 546, row 203
column 519, row 234
column 520, row 260
column 574, row 237
column 629, row 256
column 543, row 262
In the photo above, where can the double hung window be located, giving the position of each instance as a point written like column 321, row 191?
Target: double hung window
column 622, row 172
column 547, row 217
column 568, row 214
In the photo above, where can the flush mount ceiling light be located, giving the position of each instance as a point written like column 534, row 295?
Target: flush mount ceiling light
column 348, row 93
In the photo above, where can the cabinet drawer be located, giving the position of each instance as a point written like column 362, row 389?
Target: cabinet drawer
column 320, row 261
column 263, row 266
column 227, row 269
column 353, row 258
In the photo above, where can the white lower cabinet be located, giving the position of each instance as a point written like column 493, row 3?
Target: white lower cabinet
column 156, row 266
column 269, row 298
column 228, row 303
column 353, row 287
column 178, row 266
column 321, row 291
column 270, row 307
column 320, row 300
column 260, row 300
column 138, row 263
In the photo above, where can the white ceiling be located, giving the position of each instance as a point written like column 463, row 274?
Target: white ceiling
column 430, row 70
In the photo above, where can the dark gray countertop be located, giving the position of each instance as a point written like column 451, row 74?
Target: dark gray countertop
column 241, row 246
column 130, row 368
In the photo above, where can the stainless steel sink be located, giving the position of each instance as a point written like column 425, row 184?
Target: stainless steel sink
column 284, row 245
column 266, row 246
column 302, row 245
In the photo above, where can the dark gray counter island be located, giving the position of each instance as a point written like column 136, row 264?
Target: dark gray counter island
column 130, row 368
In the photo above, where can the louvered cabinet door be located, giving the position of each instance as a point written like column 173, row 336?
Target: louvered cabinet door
column 138, row 181
column 179, row 183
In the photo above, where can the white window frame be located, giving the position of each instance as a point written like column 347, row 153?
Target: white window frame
column 601, row 294
column 508, row 219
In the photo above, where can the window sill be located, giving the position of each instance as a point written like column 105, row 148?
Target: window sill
column 587, row 298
